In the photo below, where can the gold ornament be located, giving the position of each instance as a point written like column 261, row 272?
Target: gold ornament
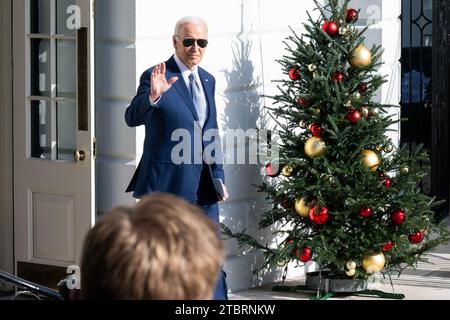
column 373, row 112
column 302, row 124
column 361, row 57
column 357, row 96
column 389, row 148
column 379, row 149
column 314, row 147
column 404, row 170
column 315, row 75
column 373, row 262
column 287, row 170
column 350, row 272
column 370, row 159
column 312, row 67
column 348, row 103
column 302, row 207
column 316, row 111
column 351, row 265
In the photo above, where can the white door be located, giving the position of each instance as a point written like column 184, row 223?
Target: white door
column 54, row 152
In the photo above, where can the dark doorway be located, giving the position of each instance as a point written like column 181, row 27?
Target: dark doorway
column 425, row 88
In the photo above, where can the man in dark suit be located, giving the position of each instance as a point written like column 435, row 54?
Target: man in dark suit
column 178, row 97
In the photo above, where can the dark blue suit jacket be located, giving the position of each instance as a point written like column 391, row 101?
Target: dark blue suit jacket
column 175, row 110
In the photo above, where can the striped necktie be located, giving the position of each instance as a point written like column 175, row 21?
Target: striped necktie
column 198, row 99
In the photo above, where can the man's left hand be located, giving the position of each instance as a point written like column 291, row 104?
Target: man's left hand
column 225, row 193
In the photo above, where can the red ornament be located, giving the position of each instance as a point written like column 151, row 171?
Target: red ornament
column 331, row 28
column 416, row 237
column 398, row 217
column 365, row 212
column 351, row 16
column 387, row 182
column 318, row 215
column 362, row 87
column 294, row 74
column 338, row 76
column 353, row 116
column 388, row 246
column 270, row 171
column 302, row 102
column 315, row 129
column 303, row 255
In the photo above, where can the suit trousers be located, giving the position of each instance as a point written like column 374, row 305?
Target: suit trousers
column 220, row 291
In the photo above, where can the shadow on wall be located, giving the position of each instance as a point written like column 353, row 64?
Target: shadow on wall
column 244, row 111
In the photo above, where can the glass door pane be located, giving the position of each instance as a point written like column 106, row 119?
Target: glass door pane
column 66, row 15
column 53, row 64
column 41, row 129
column 40, row 16
column 40, row 67
column 66, row 126
column 65, row 68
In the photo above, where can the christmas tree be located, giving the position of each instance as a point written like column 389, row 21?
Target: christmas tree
column 343, row 195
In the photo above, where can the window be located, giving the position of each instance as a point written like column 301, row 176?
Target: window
column 52, row 96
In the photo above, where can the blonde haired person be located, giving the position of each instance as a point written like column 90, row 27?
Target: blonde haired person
column 162, row 248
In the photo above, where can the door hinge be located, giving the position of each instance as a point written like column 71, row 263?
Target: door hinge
column 94, row 148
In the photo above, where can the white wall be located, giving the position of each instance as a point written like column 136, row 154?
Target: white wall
column 245, row 40
column 382, row 18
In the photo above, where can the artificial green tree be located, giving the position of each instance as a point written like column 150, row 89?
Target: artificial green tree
column 345, row 197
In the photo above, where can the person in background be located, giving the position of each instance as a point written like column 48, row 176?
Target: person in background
column 176, row 96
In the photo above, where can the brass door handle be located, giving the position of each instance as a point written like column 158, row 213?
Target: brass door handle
column 79, row 155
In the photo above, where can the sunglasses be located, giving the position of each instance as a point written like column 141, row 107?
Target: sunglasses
column 202, row 43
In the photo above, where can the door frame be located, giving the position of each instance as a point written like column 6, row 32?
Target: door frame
column 6, row 140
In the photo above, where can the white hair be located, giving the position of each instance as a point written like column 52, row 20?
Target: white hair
column 188, row 19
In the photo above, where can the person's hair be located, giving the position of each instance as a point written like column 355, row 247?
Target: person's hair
column 186, row 20
column 162, row 248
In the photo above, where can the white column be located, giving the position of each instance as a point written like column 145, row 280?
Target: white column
column 115, row 71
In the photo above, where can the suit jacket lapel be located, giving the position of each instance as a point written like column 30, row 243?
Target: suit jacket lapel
column 172, row 70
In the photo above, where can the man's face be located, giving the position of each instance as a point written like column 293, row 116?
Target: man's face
column 193, row 54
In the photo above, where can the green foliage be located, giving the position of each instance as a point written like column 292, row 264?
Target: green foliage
column 338, row 180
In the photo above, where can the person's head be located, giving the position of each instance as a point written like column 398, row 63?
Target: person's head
column 162, row 248
column 188, row 29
